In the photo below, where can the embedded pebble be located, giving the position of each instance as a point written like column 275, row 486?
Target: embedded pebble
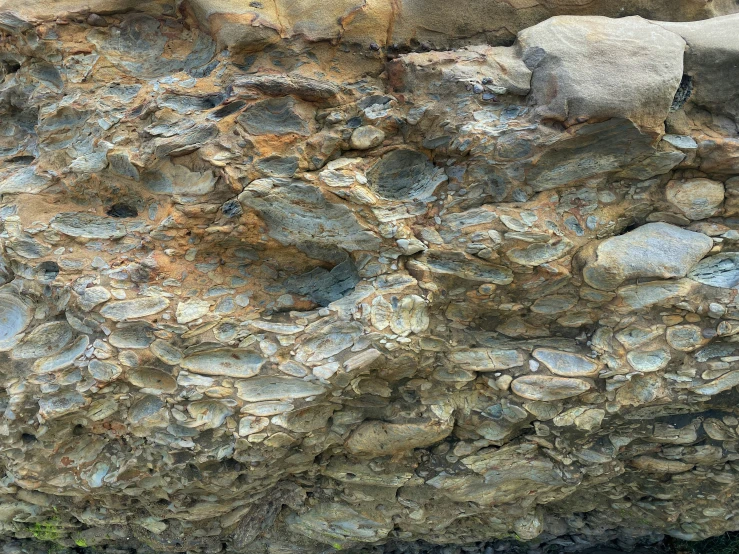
column 133, row 309
column 545, row 388
column 566, row 364
column 230, row 362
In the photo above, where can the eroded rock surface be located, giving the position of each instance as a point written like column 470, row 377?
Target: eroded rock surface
column 298, row 277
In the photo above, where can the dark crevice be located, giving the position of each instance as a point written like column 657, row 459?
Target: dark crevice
column 683, row 93
column 121, row 209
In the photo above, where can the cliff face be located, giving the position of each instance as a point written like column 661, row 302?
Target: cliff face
column 289, row 277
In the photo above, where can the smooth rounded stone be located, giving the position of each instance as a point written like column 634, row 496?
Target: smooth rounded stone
column 454, row 375
column 634, row 337
column 191, row 310
column 660, row 465
column 274, row 116
column 641, row 296
column 145, row 408
column 277, row 328
column 685, row 337
column 379, row 438
column 92, row 296
column 529, row 527
column 571, row 82
column 208, row 414
column 144, row 306
column 545, row 388
column 185, row 379
column 15, row 316
column 166, row 352
column 58, row 405
column 152, row 380
column 89, row 226
column 409, row 315
column 495, row 430
column 366, row 137
column 44, row 340
column 103, row 371
column 648, row 361
column 718, row 430
column 183, row 182
column 553, row 304
column 330, row 342
column 340, row 524
column 537, row 254
column 567, row 364
column 654, row 250
column 64, row 358
column 719, row 270
column 543, row 411
column 725, row 382
column 263, row 409
column 278, row 166
column 486, row 359
column 229, row 362
column 259, row 389
column 405, row 174
column 464, row 267
column 696, row 198
column 137, row 334
column 250, row 425
column 641, row 390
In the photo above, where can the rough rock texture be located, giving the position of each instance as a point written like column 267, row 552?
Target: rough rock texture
column 290, row 277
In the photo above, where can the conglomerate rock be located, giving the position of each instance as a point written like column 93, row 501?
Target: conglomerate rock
column 280, row 277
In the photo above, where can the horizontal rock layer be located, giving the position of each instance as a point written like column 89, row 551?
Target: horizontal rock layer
column 279, row 277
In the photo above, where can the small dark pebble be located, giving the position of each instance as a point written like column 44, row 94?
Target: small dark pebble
column 354, row 122
column 97, row 20
column 232, row 208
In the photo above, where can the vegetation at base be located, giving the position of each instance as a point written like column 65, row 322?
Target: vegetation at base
column 46, row 530
column 727, row 543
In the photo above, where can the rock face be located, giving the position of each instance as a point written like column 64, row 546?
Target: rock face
column 344, row 275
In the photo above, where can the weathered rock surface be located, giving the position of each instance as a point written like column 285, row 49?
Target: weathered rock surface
column 299, row 277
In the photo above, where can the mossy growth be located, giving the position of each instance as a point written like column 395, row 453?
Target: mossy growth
column 46, row 530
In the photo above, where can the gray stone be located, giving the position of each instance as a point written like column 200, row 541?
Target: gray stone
column 566, row 364
column 231, row 362
column 259, row 389
column 648, row 361
column 366, row 137
column 631, row 71
column 379, row 438
column 405, row 175
column 296, row 213
column 137, row 334
column 654, row 250
column 464, row 267
column 152, row 380
column 44, row 340
column 545, row 388
column 685, row 337
column 123, row 310
column 538, row 254
column 696, row 198
column 275, row 116
column 589, row 151
column 719, row 270
column 89, row 226
column 712, row 46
